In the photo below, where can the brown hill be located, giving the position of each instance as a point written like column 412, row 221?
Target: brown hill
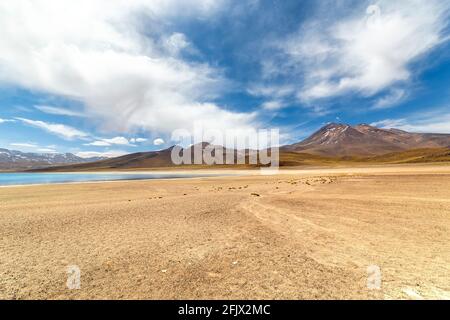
column 150, row 160
column 413, row 156
column 341, row 140
column 334, row 144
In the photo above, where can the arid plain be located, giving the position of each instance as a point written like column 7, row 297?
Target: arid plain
column 299, row 234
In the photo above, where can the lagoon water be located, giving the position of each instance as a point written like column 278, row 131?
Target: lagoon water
column 9, row 179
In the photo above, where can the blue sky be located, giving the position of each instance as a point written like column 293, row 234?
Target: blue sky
column 97, row 77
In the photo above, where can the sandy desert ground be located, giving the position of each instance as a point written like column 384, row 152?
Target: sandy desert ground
column 307, row 234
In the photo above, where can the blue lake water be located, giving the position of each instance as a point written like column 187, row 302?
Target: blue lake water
column 9, row 179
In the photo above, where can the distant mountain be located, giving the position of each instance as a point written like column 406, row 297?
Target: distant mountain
column 342, row 140
column 17, row 160
column 151, row 159
column 333, row 144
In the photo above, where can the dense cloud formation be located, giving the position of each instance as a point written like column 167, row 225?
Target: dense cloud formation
column 117, row 59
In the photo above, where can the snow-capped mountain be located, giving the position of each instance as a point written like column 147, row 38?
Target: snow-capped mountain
column 365, row 140
column 17, row 160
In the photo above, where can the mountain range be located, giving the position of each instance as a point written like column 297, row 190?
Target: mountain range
column 17, row 160
column 341, row 140
column 331, row 144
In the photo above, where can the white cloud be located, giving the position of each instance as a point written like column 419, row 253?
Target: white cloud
column 98, row 143
column 47, row 150
column 273, row 91
column 109, row 56
column 390, row 123
column 64, row 131
column 138, row 140
column 432, row 122
column 107, row 154
column 108, row 142
column 6, row 120
column 59, row 111
column 158, row 142
column 365, row 52
column 176, row 43
column 272, row 105
column 117, row 140
column 24, row 145
column 390, row 100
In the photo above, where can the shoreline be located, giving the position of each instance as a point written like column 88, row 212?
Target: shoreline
column 113, row 181
column 423, row 168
